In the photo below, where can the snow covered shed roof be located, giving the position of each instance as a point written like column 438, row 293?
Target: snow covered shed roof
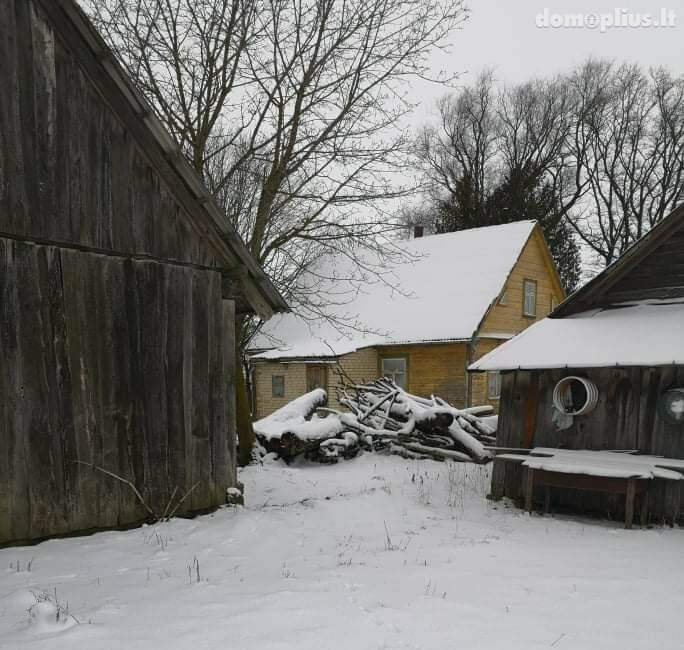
column 643, row 334
column 441, row 292
column 630, row 314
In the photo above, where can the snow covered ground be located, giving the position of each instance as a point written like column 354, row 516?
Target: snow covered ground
column 377, row 552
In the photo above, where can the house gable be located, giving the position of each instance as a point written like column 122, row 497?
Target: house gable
column 505, row 316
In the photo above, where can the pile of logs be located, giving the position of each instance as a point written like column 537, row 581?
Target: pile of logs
column 384, row 416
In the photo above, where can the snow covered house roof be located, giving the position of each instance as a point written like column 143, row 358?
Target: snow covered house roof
column 631, row 314
column 441, row 292
column 646, row 334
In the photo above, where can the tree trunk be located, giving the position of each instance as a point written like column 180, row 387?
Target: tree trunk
column 246, row 437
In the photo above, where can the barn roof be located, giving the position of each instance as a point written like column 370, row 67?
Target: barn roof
column 631, row 314
column 252, row 284
column 439, row 292
column 653, row 267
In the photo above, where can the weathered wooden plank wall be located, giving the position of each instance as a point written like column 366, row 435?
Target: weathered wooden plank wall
column 625, row 417
column 71, row 171
column 116, row 347
column 125, row 364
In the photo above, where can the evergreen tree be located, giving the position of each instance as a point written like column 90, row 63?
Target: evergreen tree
column 521, row 195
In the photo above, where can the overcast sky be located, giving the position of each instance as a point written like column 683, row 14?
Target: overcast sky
column 503, row 34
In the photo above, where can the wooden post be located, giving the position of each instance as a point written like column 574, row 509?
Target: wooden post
column 529, row 489
column 629, row 503
column 530, row 411
column 547, row 499
column 677, row 503
column 643, row 511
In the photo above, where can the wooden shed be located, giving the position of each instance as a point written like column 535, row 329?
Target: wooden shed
column 605, row 371
column 120, row 279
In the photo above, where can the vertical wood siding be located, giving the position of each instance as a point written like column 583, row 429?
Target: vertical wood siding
column 116, row 348
column 625, row 417
column 124, row 364
column 69, row 169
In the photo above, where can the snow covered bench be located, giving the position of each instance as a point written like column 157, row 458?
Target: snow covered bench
column 603, row 471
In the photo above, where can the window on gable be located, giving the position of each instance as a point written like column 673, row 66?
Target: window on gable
column 529, row 297
column 395, row 369
column 278, row 385
column 503, row 298
column 493, row 384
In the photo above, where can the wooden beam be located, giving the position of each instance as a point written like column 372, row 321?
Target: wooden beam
column 629, row 503
column 530, row 411
column 529, row 489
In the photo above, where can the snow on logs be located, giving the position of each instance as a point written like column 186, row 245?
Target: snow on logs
column 381, row 416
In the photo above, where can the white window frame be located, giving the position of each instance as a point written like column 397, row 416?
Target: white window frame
column 393, row 375
column 493, row 384
column 532, row 294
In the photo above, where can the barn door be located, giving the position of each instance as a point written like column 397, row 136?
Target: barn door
column 316, row 377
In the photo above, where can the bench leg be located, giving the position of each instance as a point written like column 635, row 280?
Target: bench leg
column 643, row 512
column 629, row 503
column 529, row 489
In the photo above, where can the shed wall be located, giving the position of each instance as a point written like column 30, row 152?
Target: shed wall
column 625, row 417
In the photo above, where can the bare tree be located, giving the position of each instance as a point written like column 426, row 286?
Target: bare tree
column 459, row 152
column 628, row 151
column 294, row 112
column 606, row 139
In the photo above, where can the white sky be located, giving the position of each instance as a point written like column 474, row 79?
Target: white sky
column 503, row 34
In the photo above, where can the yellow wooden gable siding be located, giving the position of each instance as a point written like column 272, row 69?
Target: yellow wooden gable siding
column 535, row 264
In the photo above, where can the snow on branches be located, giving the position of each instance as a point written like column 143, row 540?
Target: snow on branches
column 381, row 416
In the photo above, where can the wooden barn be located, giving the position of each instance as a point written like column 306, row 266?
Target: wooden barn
column 604, row 372
column 120, row 281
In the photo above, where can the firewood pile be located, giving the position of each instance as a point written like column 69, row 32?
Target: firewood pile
column 381, row 416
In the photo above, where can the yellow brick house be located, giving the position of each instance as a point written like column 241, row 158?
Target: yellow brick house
column 422, row 321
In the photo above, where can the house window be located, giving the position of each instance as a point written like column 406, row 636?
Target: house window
column 278, row 385
column 529, row 297
column 503, row 299
column 493, row 385
column 395, row 369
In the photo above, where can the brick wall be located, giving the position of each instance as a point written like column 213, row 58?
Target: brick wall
column 478, row 380
column 437, row 369
column 361, row 365
column 295, row 385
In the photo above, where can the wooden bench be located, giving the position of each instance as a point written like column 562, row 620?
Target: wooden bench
column 630, row 487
